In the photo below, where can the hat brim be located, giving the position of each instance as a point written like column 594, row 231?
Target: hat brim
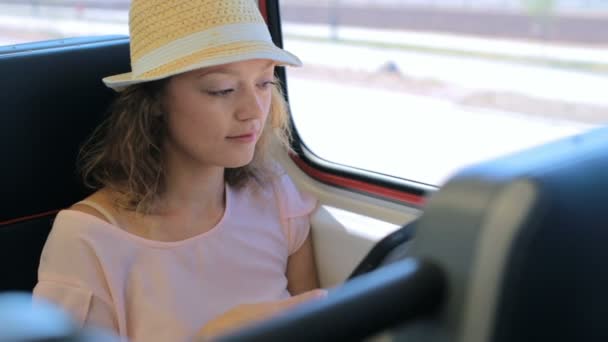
column 233, row 54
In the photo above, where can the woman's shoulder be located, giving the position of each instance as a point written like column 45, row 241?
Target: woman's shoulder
column 276, row 190
column 293, row 201
column 78, row 243
column 98, row 205
column 83, row 221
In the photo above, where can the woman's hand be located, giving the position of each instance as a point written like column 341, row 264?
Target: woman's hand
column 245, row 314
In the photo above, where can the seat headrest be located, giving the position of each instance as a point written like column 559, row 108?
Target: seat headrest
column 52, row 99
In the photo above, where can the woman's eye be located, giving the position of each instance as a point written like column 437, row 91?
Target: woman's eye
column 267, row 84
column 220, row 92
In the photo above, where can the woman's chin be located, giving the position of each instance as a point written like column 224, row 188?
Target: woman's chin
column 238, row 162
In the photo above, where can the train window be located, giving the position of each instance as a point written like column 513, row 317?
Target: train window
column 417, row 89
column 24, row 21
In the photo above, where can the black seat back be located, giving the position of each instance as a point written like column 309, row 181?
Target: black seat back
column 52, row 99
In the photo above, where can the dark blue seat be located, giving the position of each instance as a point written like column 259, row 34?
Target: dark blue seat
column 52, row 98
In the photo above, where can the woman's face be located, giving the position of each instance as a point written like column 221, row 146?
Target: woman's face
column 216, row 115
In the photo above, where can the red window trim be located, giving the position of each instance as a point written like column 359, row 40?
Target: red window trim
column 354, row 184
column 29, row 217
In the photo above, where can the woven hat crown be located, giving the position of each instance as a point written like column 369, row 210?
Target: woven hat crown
column 154, row 23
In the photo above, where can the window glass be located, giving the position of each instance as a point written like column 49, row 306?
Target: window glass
column 23, row 21
column 418, row 89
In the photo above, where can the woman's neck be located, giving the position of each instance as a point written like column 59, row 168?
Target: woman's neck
column 190, row 191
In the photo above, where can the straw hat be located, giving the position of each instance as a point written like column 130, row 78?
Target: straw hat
column 169, row 37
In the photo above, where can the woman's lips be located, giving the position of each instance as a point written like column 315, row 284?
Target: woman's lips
column 243, row 138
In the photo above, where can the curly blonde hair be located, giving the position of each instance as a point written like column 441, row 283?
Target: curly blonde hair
column 124, row 153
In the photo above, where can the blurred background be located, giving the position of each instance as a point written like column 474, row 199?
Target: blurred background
column 438, row 83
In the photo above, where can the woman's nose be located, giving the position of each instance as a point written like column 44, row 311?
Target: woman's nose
column 253, row 104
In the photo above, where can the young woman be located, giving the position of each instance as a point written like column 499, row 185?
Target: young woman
column 192, row 229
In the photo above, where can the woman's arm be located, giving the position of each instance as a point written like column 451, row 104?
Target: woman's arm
column 246, row 314
column 302, row 269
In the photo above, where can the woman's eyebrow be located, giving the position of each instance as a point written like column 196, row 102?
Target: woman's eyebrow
column 211, row 72
column 268, row 65
column 231, row 71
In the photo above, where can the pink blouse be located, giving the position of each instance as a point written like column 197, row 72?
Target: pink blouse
column 149, row 290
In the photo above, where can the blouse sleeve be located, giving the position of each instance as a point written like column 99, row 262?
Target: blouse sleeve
column 85, row 308
column 69, row 276
column 295, row 207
